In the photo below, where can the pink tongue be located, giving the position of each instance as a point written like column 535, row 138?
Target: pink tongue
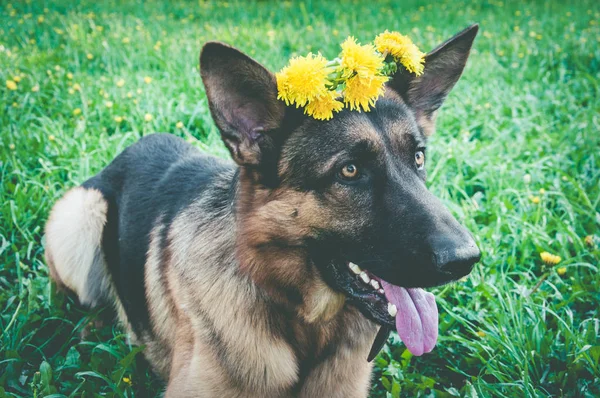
column 417, row 318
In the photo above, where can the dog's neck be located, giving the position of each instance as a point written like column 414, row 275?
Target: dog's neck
column 270, row 248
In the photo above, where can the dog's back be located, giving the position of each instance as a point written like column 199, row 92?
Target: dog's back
column 99, row 235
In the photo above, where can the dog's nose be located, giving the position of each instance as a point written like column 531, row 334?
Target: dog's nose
column 455, row 255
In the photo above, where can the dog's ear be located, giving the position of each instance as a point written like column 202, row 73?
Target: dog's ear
column 443, row 67
column 242, row 96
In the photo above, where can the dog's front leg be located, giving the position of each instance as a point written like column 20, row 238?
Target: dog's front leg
column 346, row 374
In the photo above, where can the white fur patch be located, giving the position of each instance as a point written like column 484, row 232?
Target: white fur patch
column 74, row 244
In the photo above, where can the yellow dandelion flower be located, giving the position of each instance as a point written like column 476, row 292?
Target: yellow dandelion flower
column 402, row 49
column 51, row 137
column 71, row 91
column 147, row 80
column 362, row 92
column 69, row 76
column 127, row 380
column 322, row 107
column 535, row 199
column 361, row 60
column 118, row 119
column 11, row 147
column 561, row 271
column 76, row 87
column 120, row 83
column 550, row 259
column 179, row 125
column 148, row 117
column 77, row 111
column 109, row 104
column 90, row 56
column 481, row 333
column 542, row 191
column 303, row 79
column 11, row 85
column 589, row 240
column 40, row 19
column 17, row 78
column 35, row 88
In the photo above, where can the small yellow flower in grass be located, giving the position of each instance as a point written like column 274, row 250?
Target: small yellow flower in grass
column 40, row 19
column 11, row 147
column 363, row 92
column 147, row 80
column 71, row 91
column 51, row 137
column 76, row 87
column 69, row 76
column 120, row 83
column 109, row 104
column 127, row 380
column 148, row 117
column 179, row 125
column 542, row 191
column 139, row 91
column 360, row 60
column 35, row 88
column 402, row 49
column 303, row 79
column 118, row 119
column 77, row 111
column 322, row 107
column 17, row 78
column 129, row 95
column 534, row 199
column 481, row 333
column 561, row 271
column 99, row 28
column 125, row 40
column 11, row 85
column 90, row 56
column 589, row 240
column 550, row 259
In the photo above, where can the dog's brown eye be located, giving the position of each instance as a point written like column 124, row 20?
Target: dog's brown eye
column 349, row 172
column 420, row 159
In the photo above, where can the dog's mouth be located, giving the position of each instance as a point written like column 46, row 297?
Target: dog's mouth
column 412, row 312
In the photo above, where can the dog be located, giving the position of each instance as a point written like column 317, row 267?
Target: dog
column 270, row 276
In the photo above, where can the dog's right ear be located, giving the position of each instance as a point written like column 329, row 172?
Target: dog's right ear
column 242, row 96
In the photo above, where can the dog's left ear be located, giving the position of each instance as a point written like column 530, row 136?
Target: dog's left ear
column 242, row 96
column 443, row 67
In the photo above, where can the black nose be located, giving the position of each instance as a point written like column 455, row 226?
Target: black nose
column 455, row 255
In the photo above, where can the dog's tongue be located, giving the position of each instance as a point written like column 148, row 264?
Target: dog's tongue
column 417, row 317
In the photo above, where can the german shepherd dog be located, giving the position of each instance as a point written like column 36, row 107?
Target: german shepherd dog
column 270, row 276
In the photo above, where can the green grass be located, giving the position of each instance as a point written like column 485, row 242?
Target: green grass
column 527, row 107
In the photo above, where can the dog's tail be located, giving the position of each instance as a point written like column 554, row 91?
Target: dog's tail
column 74, row 245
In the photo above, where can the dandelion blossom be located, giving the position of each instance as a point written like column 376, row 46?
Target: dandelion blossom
column 322, row 108
column 179, row 125
column 402, row 49
column 361, row 60
column 363, row 92
column 148, row 117
column 550, row 259
column 303, row 80
column 11, row 85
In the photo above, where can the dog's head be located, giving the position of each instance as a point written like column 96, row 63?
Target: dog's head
column 341, row 205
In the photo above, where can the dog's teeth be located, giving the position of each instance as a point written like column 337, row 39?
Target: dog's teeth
column 363, row 275
column 354, row 268
column 375, row 284
column 392, row 310
column 381, row 291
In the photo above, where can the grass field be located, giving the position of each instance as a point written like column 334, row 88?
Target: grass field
column 516, row 158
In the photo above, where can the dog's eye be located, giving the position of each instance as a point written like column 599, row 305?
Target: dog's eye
column 420, row 159
column 349, row 172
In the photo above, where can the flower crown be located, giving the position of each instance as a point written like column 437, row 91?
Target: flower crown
column 358, row 75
